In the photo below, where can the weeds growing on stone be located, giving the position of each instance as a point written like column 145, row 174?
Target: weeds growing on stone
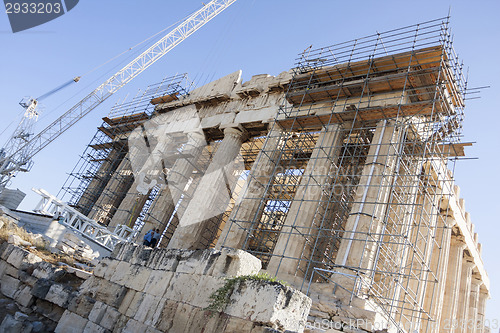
column 220, row 298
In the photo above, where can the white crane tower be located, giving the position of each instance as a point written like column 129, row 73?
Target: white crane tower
column 17, row 154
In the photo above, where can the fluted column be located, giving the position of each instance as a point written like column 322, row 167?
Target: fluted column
column 148, row 158
column 400, row 223
column 464, row 298
column 434, row 295
column 452, row 289
column 474, row 304
column 113, row 194
column 421, row 280
column 160, row 211
column 249, row 208
column 182, row 167
column 481, row 309
column 359, row 244
column 212, row 194
column 98, row 183
column 289, row 252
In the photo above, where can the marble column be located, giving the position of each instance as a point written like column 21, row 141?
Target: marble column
column 213, row 193
column 464, row 298
column 436, row 284
column 248, row 210
column 399, row 227
column 111, row 197
column 291, row 253
column 160, row 211
column 129, row 209
column 453, row 281
column 358, row 247
column 481, row 309
column 422, row 280
column 99, row 181
column 474, row 303
column 181, row 165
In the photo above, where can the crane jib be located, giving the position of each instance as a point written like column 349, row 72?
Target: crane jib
column 118, row 80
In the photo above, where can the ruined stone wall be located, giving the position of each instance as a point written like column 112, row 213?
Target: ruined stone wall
column 139, row 289
column 34, row 293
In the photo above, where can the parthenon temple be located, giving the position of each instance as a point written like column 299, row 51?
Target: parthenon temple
column 337, row 174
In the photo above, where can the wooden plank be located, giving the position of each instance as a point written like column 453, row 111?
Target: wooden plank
column 454, row 149
column 165, row 99
column 126, row 119
column 366, row 114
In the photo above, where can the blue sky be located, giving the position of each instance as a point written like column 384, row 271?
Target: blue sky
column 257, row 36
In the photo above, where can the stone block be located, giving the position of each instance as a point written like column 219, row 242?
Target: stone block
column 152, row 330
column 124, row 251
column 134, row 304
column 48, row 310
column 140, row 256
column 58, row 294
column 131, row 276
column 17, row 256
column 104, row 291
column 166, row 319
column 158, row 282
column 106, row 268
column 127, row 300
column 121, row 323
column 94, row 328
column 133, row 326
column 154, row 316
column 110, row 317
column 5, row 250
column 9, row 285
column 269, row 303
column 206, row 287
column 81, row 305
column 6, row 268
column 163, row 259
column 120, row 274
column 97, row 312
column 71, row 323
column 234, row 325
column 27, row 278
column 262, row 115
column 183, row 287
column 11, row 324
column 182, row 318
column 234, row 262
column 44, row 270
column 204, row 321
column 24, row 297
column 197, row 262
column 147, row 309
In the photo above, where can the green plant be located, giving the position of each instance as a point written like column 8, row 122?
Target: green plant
column 220, row 297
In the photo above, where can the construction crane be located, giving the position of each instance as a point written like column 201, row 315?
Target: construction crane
column 17, row 155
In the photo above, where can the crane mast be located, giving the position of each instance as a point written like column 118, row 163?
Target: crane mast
column 15, row 160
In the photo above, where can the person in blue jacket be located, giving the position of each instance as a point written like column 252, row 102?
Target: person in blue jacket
column 148, row 237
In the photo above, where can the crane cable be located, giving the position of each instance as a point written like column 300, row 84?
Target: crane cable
column 76, row 79
column 135, row 46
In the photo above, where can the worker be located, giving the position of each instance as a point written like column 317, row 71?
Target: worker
column 148, row 237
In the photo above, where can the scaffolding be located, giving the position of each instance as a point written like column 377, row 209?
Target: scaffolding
column 103, row 176
column 344, row 189
column 360, row 154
